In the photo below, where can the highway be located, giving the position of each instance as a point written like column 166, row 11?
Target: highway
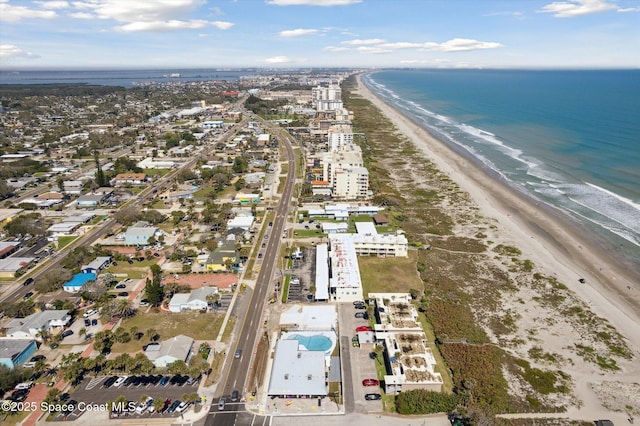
column 251, row 327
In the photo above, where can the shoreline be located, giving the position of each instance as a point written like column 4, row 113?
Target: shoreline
column 557, row 246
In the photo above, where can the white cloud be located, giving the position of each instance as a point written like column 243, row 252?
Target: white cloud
column 277, row 60
column 373, row 49
column 299, row 32
column 335, row 49
column 313, row 2
column 461, row 44
column 82, row 15
column 363, row 42
column 376, row 45
column 141, row 10
column 163, row 26
column 400, row 45
column 222, row 25
column 8, row 51
column 55, row 4
column 569, row 9
column 9, row 13
column 628, row 9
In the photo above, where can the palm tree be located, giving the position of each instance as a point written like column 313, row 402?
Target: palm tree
column 44, row 335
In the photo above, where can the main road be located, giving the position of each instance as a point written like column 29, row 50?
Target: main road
column 250, row 325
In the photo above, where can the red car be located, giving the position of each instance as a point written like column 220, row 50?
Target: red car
column 370, row 382
column 363, row 328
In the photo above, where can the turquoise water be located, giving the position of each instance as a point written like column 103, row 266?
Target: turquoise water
column 313, row 343
column 567, row 138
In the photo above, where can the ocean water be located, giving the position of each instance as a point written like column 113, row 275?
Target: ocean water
column 124, row 78
column 567, row 138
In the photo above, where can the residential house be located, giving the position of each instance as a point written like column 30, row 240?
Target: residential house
column 129, row 179
column 140, row 234
column 78, row 281
column 222, row 257
column 15, row 352
column 96, row 265
column 177, row 348
column 194, row 301
column 30, row 327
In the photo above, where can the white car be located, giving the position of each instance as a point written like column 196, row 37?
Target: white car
column 89, row 313
column 119, row 381
column 143, row 406
column 183, row 406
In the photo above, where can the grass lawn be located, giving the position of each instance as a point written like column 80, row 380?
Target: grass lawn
column 134, row 271
column 199, row 326
column 65, row 241
column 205, row 192
column 307, row 233
column 157, row 172
column 390, row 274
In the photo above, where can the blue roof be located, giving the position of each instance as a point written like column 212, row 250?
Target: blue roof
column 81, row 279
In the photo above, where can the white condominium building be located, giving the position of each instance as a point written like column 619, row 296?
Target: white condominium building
column 339, row 136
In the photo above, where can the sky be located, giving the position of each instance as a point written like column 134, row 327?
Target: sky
column 100, row 34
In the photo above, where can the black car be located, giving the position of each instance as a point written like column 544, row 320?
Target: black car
column 128, row 381
column 94, row 322
column 66, row 333
column 28, row 295
column 37, row 358
column 173, row 406
column 175, row 379
column 373, row 355
column 135, row 381
column 19, row 395
column 28, row 281
column 109, row 382
column 123, row 294
column 87, row 322
column 372, row 396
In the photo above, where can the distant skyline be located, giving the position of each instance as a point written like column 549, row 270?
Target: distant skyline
column 99, row 34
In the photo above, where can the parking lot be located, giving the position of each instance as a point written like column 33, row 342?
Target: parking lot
column 364, row 366
column 93, row 392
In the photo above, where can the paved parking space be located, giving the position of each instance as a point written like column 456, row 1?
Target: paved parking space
column 364, row 367
column 92, row 391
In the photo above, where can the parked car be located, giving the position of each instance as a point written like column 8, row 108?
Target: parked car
column 183, row 406
column 109, row 382
column 143, row 406
column 363, row 328
column 119, row 381
column 361, row 315
column 94, row 322
column 373, row 355
column 66, row 333
column 37, row 358
column 372, row 396
column 370, row 382
column 123, row 294
column 89, row 313
column 164, row 380
column 173, row 406
column 119, row 286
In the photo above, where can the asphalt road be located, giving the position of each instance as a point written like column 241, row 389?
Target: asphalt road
column 251, row 326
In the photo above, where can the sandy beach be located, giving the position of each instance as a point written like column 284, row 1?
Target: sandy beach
column 557, row 247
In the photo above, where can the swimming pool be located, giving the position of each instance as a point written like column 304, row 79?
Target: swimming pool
column 316, row 342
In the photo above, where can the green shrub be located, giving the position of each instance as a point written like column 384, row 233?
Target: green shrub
column 421, row 401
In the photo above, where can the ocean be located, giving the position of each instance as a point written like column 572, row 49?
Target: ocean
column 124, row 78
column 567, row 138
